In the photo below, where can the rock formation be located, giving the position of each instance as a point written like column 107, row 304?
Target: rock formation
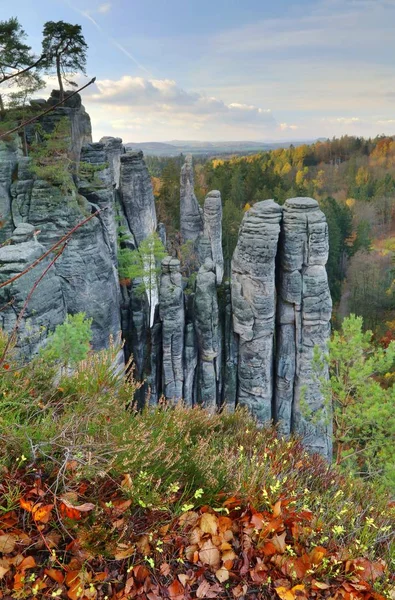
column 46, row 307
column 303, row 315
column 253, row 304
column 213, row 231
column 206, row 324
column 137, row 196
column 249, row 342
column 172, row 315
column 191, row 215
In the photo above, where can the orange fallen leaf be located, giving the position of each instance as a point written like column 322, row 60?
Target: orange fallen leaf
column 42, row 514
column 176, row 590
column 55, row 574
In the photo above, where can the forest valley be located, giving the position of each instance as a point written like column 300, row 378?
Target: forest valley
column 354, row 182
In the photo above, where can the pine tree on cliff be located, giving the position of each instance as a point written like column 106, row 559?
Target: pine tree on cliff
column 18, row 65
column 65, row 49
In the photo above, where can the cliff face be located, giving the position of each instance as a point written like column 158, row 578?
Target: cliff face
column 248, row 341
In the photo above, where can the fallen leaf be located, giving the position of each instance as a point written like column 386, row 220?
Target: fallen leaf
column 209, row 554
column 278, row 542
column 209, row 523
column 165, row 569
column 203, row 588
column 27, row 563
column 176, row 590
column 42, row 514
column 222, row 575
column 55, row 574
column 7, row 543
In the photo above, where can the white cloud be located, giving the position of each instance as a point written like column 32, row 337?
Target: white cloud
column 286, row 127
column 104, row 8
column 161, row 103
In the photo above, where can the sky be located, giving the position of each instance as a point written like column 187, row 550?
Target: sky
column 262, row 70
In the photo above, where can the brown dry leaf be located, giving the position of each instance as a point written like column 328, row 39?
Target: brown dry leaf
column 209, row 523
column 228, row 555
column 27, row 563
column 277, row 509
column 4, row 568
column 122, row 553
column 257, row 521
column 319, row 585
column 365, row 569
column 222, row 575
column 55, row 574
column 239, row 591
column 144, row 546
column 278, row 542
column 209, row 554
column 182, row 577
column 203, row 588
column 190, row 550
column 196, row 536
column 224, row 524
column 119, row 507
column 176, row 590
column 188, row 519
column 7, row 543
column 165, row 569
column 127, row 482
column 317, row 554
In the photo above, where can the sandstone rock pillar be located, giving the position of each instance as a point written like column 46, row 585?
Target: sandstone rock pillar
column 303, row 323
column 191, row 215
column 253, row 304
column 172, row 315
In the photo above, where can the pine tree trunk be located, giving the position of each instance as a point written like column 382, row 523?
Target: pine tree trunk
column 61, row 95
column 2, row 109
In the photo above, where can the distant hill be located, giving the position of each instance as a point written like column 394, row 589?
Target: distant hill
column 176, row 147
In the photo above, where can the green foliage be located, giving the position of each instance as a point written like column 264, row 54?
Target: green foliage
column 143, row 263
column 50, row 156
column 65, row 49
column 16, row 56
column 70, row 342
column 88, row 171
column 364, row 410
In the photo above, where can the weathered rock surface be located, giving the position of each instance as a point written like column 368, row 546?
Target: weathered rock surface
column 304, row 312
column 191, row 215
column 230, row 360
column 113, row 149
column 206, row 324
column 137, row 196
column 9, row 154
column 172, row 315
column 74, row 112
column 253, row 304
column 46, row 308
column 190, row 353
column 213, row 231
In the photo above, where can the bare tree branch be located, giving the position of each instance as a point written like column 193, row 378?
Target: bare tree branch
column 8, row 77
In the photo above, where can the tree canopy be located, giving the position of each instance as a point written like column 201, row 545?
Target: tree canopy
column 65, row 49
